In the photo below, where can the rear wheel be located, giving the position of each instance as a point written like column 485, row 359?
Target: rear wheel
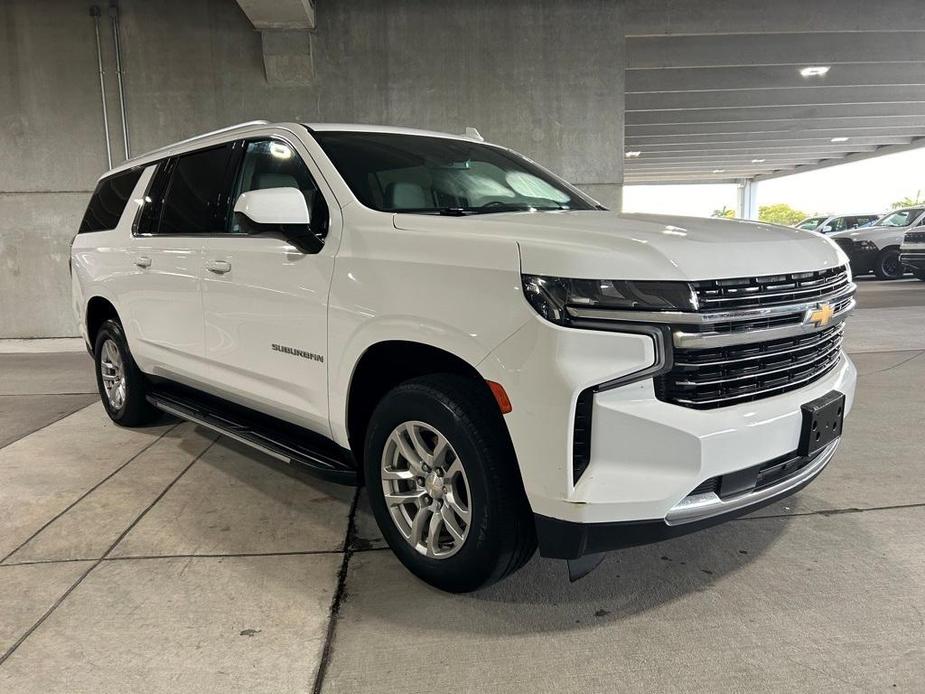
column 122, row 386
column 887, row 265
column 444, row 486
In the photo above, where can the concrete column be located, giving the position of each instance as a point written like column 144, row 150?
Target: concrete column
column 747, row 199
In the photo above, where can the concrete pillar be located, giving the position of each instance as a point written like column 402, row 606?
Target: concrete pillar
column 747, row 199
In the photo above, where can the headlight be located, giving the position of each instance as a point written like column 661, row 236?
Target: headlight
column 551, row 296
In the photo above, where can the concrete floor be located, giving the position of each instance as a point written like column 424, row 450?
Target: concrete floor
column 165, row 560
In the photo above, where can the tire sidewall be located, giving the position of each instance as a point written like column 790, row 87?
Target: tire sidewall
column 472, row 564
column 881, row 261
column 134, row 409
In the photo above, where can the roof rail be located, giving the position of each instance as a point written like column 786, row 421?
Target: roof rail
column 203, row 136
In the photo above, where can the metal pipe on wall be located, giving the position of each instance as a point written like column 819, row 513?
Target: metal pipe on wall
column 114, row 14
column 95, row 13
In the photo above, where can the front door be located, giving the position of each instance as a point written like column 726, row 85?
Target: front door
column 265, row 302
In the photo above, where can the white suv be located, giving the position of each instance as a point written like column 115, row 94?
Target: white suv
column 502, row 361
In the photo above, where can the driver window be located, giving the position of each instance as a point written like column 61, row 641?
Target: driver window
column 274, row 164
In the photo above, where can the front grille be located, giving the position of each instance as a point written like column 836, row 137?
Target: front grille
column 914, row 237
column 709, row 378
column 769, row 290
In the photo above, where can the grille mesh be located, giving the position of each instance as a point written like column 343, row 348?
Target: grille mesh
column 769, row 290
column 709, row 378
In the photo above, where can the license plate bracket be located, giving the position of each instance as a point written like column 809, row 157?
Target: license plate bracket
column 822, row 422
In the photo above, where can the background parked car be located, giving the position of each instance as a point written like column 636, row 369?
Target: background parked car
column 876, row 248
column 832, row 223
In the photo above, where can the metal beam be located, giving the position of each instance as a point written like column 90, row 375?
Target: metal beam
column 670, row 17
column 804, row 48
column 279, row 14
column 897, row 125
column 861, row 156
column 765, row 98
column 863, row 136
column 829, row 112
column 693, row 79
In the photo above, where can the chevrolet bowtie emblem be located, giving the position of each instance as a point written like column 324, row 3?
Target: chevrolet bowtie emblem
column 821, row 315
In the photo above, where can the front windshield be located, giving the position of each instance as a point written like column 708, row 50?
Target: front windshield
column 900, row 218
column 395, row 172
column 811, row 223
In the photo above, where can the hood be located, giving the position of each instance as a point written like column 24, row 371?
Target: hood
column 607, row 245
column 882, row 236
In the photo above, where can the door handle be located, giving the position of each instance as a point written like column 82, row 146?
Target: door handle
column 143, row 261
column 219, row 267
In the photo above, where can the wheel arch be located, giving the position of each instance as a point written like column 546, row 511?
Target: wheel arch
column 99, row 310
column 386, row 364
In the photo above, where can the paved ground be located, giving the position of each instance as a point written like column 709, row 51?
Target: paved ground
column 166, row 560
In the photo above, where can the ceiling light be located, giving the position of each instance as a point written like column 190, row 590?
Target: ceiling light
column 814, row 70
column 839, row 139
column 632, row 155
column 758, row 161
column 719, row 170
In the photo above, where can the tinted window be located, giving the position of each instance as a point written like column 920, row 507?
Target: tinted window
column 414, row 173
column 196, row 201
column 900, row 218
column 811, row 223
column 108, row 201
column 274, row 164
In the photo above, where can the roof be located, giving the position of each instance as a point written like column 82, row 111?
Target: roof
column 370, row 128
column 239, row 129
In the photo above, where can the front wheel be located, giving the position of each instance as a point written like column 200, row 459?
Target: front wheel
column 444, row 486
column 121, row 384
column 887, row 265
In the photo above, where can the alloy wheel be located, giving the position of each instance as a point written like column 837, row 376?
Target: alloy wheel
column 426, row 490
column 112, row 371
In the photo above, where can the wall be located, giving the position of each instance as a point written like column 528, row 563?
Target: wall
column 544, row 77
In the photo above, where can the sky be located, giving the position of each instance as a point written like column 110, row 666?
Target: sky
column 871, row 185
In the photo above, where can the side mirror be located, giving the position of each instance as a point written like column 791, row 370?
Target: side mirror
column 826, row 229
column 279, row 210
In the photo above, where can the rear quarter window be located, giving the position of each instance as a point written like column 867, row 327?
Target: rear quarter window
column 108, row 201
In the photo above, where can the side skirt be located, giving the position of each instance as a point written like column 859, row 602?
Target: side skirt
column 281, row 440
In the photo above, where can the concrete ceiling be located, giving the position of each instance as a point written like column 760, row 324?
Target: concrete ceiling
column 714, row 91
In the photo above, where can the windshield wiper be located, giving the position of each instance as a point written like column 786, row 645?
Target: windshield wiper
column 462, row 211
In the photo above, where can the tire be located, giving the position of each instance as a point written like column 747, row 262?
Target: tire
column 887, row 265
column 920, row 275
column 127, row 405
column 500, row 536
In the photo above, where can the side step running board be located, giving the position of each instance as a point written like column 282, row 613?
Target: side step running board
column 275, row 438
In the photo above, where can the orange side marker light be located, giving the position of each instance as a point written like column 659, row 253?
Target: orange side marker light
column 504, row 402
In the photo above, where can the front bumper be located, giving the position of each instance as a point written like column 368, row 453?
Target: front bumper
column 914, row 259
column 646, row 456
column 861, row 257
column 560, row 539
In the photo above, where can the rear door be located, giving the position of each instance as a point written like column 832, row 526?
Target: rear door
column 187, row 201
column 265, row 302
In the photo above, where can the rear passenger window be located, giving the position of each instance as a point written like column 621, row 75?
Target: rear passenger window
column 108, row 201
column 196, row 201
